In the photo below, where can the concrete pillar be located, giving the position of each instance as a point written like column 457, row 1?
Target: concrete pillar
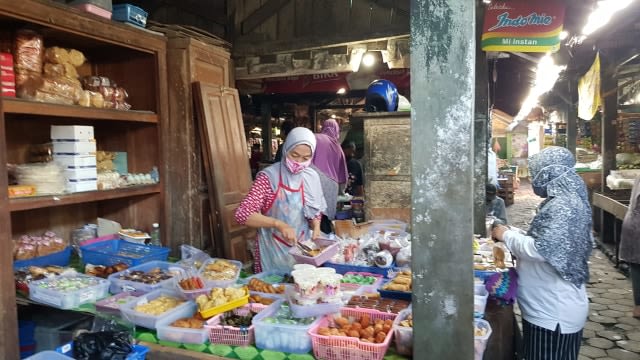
column 442, row 121
column 481, row 134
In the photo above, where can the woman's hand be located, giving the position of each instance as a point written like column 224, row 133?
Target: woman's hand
column 287, row 232
column 498, row 232
column 315, row 223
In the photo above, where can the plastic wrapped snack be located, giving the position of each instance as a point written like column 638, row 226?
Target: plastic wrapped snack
column 97, row 100
column 85, row 98
column 28, row 52
column 57, row 55
column 59, row 90
column 54, row 70
column 76, row 58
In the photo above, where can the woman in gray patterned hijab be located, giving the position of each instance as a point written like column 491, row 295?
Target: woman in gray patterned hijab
column 552, row 259
column 562, row 227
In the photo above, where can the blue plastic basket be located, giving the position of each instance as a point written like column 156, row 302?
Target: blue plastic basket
column 61, row 258
column 343, row 269
column 111, row 252
column 130, row 14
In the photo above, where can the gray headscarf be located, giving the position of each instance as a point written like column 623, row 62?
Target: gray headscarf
column 314, row 199
column 562, row 227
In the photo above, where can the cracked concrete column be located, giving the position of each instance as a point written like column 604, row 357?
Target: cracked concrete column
column 442, row 119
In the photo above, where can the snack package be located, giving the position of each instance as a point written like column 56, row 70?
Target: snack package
column 28, row 52
column 61, row 90
column 56, row 55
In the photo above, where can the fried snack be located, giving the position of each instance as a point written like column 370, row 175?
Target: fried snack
column 261, row 300
column 498, row 257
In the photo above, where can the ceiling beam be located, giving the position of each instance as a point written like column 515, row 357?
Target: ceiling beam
column 262, row 14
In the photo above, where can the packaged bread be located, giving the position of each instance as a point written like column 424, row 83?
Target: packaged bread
column 97, row 100
column 70, row 71
column 85, row 98
column 54, row 70
column 76, row 58
column 28, row 52
column 57, row 55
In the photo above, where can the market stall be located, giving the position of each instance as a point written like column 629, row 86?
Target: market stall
column 348, row 295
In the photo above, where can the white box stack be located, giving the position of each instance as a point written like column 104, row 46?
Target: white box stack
column 74, row 147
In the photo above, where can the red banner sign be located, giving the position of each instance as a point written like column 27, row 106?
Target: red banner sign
column 326, row 82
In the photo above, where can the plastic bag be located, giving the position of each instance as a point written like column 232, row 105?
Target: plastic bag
column 29, row 48
column 104, row 345
column 192, row 257
column 403, row 258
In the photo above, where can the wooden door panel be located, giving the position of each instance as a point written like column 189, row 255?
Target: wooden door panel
column 226, row 162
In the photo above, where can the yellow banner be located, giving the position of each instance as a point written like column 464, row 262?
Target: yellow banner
column 589, row 99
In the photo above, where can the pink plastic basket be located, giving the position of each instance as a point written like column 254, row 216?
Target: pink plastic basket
column 326, row 255
column 342, row 347
column 230, row 335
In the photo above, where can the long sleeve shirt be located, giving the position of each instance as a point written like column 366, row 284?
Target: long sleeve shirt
column 258, row 199
column 545, row 299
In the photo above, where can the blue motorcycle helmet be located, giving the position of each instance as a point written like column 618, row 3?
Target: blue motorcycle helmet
column 382, row 96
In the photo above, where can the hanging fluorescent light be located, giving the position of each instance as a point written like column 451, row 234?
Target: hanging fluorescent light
column 341, row 91
column 602, row 14
column 547, row 73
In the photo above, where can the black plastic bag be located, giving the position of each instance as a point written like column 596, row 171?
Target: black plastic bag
column 104, row 345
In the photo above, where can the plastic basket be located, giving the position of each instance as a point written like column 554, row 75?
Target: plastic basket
column 480, row 342
column 403, row 335
column 230, row 335
column 111, row 252
column 480, row 295
column 345, row 268
column 390, row 294
column 328, row 253
column 151, row 321
column 60, row 258
column 226, row 307
column 219, row 283
column 281, row 337
column 342, row 347
column 119, row 285
column 130, row 14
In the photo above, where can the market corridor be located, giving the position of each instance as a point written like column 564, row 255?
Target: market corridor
column 611, row 332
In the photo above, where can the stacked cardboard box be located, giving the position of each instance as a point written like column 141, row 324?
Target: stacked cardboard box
column 74, row 147
column 7, row 75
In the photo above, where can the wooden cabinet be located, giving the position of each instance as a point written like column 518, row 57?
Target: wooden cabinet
column 189, row 61
column 135, row 60
column 387, row 164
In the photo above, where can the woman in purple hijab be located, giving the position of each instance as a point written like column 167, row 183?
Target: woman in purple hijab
column 330, row 163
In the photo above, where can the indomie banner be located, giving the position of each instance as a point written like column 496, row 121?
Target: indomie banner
column 523, row 26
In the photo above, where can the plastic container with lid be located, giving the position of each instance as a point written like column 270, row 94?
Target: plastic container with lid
column 212, row 279
column 480, row 296
column 119, row 285
column 480, row 341
column 68, row 292
column 403, row 334
column 331, row 248
column 290, row 338
column 178, row 334
column 185, row 309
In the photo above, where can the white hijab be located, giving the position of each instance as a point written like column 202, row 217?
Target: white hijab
column 314, row 199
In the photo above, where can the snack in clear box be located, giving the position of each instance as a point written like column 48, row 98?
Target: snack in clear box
column 220, row 269
column 158, row 306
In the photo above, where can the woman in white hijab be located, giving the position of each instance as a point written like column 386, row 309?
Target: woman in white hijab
column 284, row 199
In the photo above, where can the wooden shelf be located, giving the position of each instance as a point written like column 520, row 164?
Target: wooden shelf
column 37, row 202
column 25, row 107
